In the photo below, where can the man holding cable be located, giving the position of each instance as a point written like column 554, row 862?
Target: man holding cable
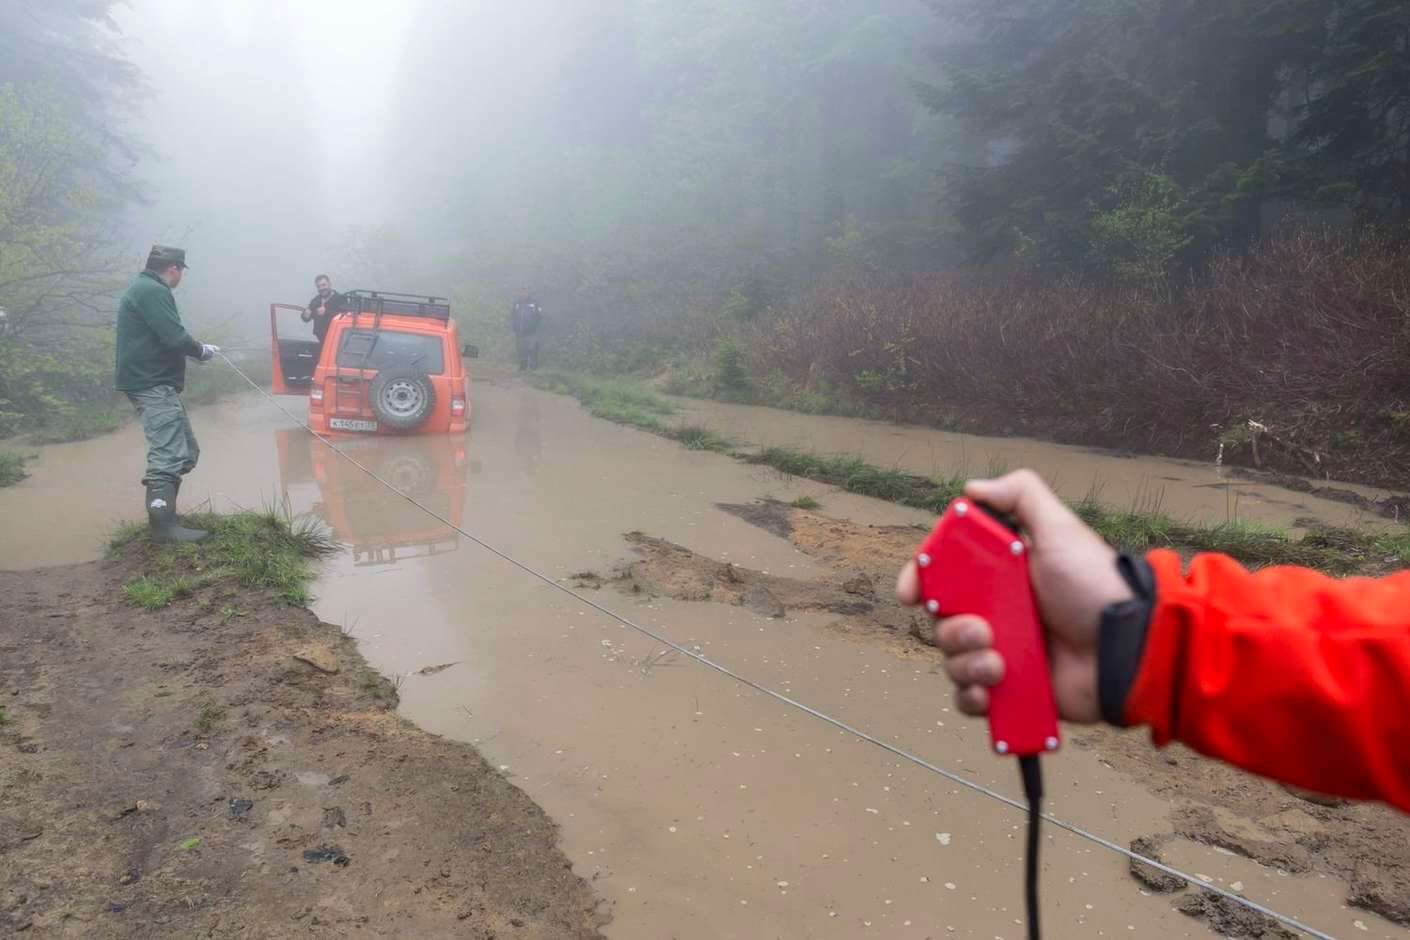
column 152, row 349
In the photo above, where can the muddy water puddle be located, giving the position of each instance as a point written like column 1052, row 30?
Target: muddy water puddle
column 698, row 807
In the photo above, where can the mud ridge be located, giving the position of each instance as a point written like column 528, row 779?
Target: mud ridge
column 229, row 766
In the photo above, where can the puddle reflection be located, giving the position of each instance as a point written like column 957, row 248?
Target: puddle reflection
column 378, row 527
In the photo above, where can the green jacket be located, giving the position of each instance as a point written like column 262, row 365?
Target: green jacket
column 152, row 345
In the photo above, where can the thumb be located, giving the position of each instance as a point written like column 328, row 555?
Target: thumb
column 1023, row 494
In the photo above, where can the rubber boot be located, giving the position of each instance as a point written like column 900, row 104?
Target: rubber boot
column 161, row 516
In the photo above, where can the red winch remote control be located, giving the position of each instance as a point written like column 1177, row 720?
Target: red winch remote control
column 976, row 563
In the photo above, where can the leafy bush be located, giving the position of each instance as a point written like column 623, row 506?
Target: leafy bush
column 12, row 468
column 731, row 378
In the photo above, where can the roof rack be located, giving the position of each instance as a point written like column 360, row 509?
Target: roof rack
column 397, row 304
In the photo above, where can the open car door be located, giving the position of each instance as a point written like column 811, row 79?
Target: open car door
column 294, row 350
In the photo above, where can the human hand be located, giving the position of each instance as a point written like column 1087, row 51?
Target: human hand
column 1074, row 576
column 208, row 352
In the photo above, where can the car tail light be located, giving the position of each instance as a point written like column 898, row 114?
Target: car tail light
column 457, row 406
column 315, row 395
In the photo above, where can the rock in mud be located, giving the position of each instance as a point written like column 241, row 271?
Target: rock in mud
column 1228, row 919
column 327, row 853
column 334, row 818
column 859, row 584
column 1158, row 881
column 763, row 602
column 239, row 809
column 319, row 657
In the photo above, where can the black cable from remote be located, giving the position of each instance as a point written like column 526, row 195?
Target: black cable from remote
column 1033, row 789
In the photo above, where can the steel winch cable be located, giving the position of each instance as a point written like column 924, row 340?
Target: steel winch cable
column 841, row 725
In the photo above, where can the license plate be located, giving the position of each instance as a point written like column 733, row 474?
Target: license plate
column 351, row 424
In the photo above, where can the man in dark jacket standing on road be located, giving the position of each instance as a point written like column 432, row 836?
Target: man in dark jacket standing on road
column 152, row 348
column 525, row 319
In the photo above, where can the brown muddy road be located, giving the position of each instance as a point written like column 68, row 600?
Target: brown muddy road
column 698, row 807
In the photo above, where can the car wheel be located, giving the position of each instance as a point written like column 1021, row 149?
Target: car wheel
column 402, row 400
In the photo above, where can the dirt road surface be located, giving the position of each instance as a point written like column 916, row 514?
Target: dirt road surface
column 242, row 774
column 696, row 807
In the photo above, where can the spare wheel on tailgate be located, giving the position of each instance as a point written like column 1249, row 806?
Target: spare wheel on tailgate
column 402, row 398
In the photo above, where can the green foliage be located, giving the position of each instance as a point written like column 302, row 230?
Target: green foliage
column 1141, row 237
column 1068, row 98
column 254, row 550
column 1353, row 142
column 731, row 379
column 12, row 468
column 805, row 502
column 698, row 437
column 148, row 593
column 40, row 386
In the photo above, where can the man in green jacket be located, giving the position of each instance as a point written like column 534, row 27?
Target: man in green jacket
column 152, row 348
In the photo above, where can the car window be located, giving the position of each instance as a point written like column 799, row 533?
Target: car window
column 389, row 349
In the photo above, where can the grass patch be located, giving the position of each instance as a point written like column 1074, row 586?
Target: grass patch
column 1137, row 529
column 266, row 551
column 4, row 717
column 805, row 502
column 12, row 467
column 697, row 437
column 81, row 423
column 612, row 399
column 148, row 593
column 210, row 717
column 855, row 475
column 1335, row 551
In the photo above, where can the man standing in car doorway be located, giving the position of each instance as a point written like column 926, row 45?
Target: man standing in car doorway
column 526, row 319
column 325, row 305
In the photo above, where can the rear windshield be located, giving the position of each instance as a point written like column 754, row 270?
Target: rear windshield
column 388, row 349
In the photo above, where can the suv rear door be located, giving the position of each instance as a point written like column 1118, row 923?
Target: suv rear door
column 361, row 355
column 294, row 351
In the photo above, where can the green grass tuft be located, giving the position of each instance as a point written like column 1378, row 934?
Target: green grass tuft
column 697, row 437
column 148, row 593
column 805, row 502
column 257, row 550
column 210, row 717
column 12, row 468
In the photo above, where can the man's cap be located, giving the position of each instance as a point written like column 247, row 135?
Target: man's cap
column 165, row 256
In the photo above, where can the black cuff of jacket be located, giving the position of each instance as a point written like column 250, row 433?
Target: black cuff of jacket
column 1121, row 641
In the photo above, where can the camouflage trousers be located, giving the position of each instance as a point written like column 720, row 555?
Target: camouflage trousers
column 172, row 450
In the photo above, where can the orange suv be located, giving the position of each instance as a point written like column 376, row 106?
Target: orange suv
column 390, row 364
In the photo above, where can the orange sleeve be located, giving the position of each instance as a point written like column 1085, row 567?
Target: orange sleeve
column 1284, row 672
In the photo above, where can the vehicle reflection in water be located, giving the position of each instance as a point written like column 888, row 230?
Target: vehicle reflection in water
column 379, row 527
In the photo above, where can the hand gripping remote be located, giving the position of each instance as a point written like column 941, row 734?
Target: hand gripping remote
column 974, row 563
